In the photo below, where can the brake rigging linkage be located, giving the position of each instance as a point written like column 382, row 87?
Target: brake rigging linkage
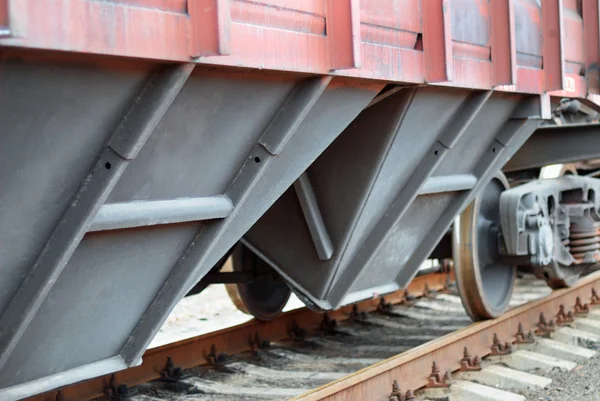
column 551, row 226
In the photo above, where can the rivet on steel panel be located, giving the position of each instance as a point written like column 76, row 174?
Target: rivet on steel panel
column 437, row 41
column 591, row 38
column 210, row 27
column 343, row 33
column 504, row 52
column 553, row 55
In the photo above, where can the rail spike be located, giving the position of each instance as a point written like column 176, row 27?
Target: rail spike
column 498, row 348
column 581, row 309
column 522, row 338
column 468, row 363
column 436, row 380
column 543, row 327
column 595, row 299
column 398, row 395
column 563, row 317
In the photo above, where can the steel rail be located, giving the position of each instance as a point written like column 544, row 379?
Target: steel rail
column 196, row 351
column 412, row 368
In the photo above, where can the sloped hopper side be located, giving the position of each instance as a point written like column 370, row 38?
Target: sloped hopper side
column 125, row 184
column 388, row 188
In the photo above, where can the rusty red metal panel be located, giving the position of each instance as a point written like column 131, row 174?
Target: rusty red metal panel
column 12, row 18
column 437, row 41
column 504, row 52
column 591, row 37
column 268, row 15
column 343, row 33
column 4, row 18
column 394, row 40
column 553, row 57
column 210, row 27
column 175, row 6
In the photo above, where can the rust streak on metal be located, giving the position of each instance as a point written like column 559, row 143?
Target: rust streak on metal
column 412, row 367
column 210, row 348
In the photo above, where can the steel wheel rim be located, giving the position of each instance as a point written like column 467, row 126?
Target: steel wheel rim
column 263, row 300
column 485, row 284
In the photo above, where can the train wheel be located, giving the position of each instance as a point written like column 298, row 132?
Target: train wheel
column 484, row 282
column 262, row 299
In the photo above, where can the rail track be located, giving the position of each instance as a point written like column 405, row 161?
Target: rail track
column 421, row 341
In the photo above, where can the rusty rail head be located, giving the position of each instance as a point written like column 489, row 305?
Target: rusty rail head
column 414, row 367
column 210, row 348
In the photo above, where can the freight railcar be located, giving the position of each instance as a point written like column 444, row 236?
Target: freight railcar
column 327, row 145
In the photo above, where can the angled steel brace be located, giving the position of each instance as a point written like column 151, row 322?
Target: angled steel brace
column 509, row 138
column 557, row 144
column 457, row 126
column 313, row 217
column 194, row 263
column 135, row 128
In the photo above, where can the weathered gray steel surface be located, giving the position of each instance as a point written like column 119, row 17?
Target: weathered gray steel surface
column 558, row 144
column 390, row 186
column 124, row 183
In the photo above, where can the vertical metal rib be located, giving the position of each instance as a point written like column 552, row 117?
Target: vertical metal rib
column 313, row 217
column 135, row 128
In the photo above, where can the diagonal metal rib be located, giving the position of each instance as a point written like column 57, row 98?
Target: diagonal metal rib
column 516, row 131
column 137, row 125
column 457, row 126
column 193, row 264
